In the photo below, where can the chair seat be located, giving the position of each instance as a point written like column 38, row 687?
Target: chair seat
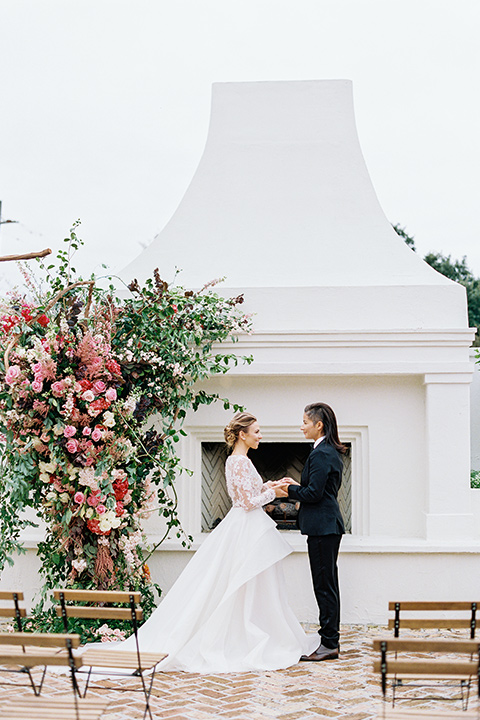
column 426, row 714
column 96, row 657
column 57, row 708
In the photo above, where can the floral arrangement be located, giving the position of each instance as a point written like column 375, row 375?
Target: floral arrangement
column 93, row 392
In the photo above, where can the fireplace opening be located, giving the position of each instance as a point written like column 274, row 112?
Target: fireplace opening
column 273, row 460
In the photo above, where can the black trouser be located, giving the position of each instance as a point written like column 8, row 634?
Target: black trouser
column 323, row 553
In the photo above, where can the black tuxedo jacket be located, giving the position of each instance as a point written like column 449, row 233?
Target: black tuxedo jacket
column 319, row 513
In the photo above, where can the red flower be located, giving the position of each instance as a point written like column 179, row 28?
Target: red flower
column 8, row 322
column 113, row 367
column 120, row 488
column 94, row 526
column 119, row 511
column 96, row 407
column 86, row 385
column 26, row 313
column 43, row 320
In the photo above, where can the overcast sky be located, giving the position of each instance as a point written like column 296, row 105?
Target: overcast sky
column 105, row 107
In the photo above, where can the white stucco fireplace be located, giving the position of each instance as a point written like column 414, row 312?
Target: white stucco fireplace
column 283, row 206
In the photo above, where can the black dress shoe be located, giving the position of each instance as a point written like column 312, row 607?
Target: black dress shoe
column 321, row 653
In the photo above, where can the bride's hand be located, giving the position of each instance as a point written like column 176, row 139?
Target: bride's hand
column 288, row 481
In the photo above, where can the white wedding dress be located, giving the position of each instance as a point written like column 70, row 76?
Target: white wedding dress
column 228, row 610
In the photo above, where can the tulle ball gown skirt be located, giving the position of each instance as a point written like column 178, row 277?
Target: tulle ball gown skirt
column 228, row 610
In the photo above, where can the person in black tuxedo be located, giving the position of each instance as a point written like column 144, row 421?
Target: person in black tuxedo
column 320, row 519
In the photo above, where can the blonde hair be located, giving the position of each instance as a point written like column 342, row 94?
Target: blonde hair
column 241, row 421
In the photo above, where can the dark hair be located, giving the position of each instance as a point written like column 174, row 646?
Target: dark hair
column 241, row 421
column 324, row 413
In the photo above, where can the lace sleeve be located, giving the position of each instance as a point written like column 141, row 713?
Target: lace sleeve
column 245, row 485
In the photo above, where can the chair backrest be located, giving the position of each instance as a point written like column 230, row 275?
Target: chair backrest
column 411, row 615
column 31, row 645
column 25, row 649
column 72, row 604
column 435, row 663
column 10, row 606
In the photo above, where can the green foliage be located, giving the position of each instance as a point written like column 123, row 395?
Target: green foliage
column 456, row 270
column 408, row 239
column 459, row 271
column 475, row 479
column 94, row 390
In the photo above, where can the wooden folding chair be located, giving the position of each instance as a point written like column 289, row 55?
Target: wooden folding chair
column 10, row 606
column 411, row 615
column 72, row 604
column 55, row 708
column 29, row 650
column 395, row 669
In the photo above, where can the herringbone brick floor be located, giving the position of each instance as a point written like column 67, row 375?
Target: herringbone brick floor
column 340, row 689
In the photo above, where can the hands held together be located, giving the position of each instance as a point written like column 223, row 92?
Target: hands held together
column 281, row 486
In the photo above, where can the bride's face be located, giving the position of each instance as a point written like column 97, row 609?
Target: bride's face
column 252, row 436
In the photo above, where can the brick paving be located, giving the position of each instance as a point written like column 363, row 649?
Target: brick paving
column 340, row 689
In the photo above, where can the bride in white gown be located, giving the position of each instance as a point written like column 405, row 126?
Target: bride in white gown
column 228, row 610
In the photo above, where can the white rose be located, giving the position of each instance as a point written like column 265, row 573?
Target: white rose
column 105, row 523
column 44, row 477
column 64, row 497
column 89, row 512
column 108, row 419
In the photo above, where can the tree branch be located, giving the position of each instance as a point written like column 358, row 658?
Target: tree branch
column 26, row 256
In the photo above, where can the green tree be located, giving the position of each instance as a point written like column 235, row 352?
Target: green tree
column 409, row 239
column 456, row 270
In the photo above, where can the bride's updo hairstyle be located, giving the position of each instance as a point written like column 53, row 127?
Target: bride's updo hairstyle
column 241, row 421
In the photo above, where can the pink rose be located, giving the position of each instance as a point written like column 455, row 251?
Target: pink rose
column 37, row 386
column 12, row 374
column 69, row 431
column 111, row 394
column 72, row 446
column 79, row 498
column 93, row 500
column 37, row 368
column 88, row 396
column 101, row 509
column 86, row 431
column 57, row 388
column 99, row 387
column 97, row 435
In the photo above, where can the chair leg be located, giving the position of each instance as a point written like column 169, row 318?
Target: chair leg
column 147, row 694
column 37, row 689
column 40, row 685
column 465, row 685
column 76, row 685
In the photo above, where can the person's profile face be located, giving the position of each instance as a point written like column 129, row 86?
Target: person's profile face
column 252, row 436
column 311, row 430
